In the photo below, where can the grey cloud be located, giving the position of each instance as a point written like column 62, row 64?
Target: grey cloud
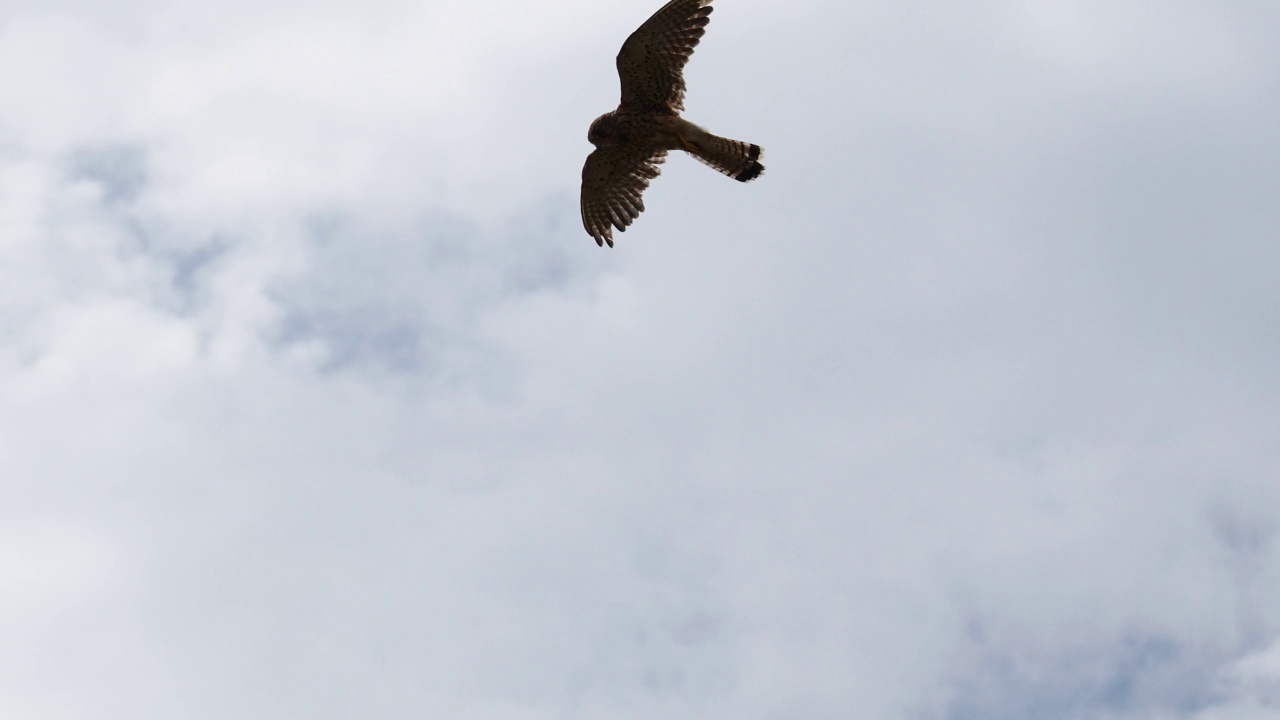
column 1133, row 675
column 360, row 334
column 121, row 171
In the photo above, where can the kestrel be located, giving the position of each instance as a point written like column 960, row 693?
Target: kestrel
column 634, row 139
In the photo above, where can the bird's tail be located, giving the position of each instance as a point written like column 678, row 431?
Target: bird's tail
column 737, row 159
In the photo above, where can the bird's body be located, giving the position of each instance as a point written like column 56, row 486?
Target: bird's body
column 634, row 139
column 621, row 128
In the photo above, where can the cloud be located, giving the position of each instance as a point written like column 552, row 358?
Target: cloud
column 315, row 399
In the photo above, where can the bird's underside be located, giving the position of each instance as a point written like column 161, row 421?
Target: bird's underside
column 634, row 139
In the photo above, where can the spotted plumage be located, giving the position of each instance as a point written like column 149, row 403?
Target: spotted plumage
column 634, row 139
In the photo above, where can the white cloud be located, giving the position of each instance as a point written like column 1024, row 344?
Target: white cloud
column 316, row 401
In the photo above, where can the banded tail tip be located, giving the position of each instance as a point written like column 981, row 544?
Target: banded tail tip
column 755, row 169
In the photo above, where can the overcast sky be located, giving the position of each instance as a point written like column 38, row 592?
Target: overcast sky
column 316, row 400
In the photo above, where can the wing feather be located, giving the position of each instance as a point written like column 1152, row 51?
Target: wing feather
column 651, row 62
column 612, row 181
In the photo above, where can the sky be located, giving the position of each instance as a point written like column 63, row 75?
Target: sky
column 317, row 401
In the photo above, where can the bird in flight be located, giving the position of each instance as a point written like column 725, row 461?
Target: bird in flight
column 634, row 139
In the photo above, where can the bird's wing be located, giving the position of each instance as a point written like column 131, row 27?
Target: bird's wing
column 613, row 180
column 651, row 62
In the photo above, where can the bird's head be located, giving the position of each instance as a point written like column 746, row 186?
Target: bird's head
column 600, row 134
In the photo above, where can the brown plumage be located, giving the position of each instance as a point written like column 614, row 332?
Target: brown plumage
column 634, row 139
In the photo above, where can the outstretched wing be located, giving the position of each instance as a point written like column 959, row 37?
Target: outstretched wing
column 612, row 181
column 651, row 62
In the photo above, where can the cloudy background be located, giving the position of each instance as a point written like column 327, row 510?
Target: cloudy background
column 316, row 401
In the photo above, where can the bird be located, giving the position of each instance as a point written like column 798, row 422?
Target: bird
column 633, row 140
